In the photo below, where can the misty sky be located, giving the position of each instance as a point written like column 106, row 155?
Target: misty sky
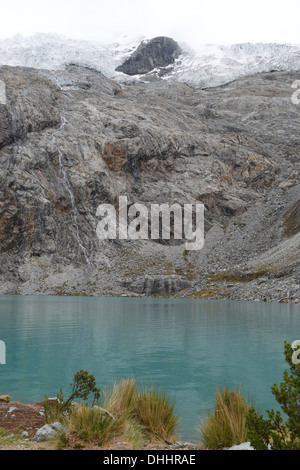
column 192, row 21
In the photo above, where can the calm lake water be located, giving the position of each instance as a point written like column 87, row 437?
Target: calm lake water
column 188, row 348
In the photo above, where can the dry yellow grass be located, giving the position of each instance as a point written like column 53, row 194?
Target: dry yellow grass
column 135, row 416
column 226, row 426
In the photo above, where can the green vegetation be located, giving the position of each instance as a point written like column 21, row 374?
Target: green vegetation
column 238, row 276
column 277, row 432
column 7, row 438
column 155, row 413
column 90, row 424
column 60, row 440
column 206, row 293
column 124, row 412
column 121, row 398
column 225, row 427
column 135, row 416
column 235, row 421
column 83, row 384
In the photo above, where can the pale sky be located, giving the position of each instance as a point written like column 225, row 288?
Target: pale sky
column 192, row 21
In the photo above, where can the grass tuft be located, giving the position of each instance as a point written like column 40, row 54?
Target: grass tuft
column 226, row 426
column 90, row 424
column 121, row 398
column 132, row 415
column 155, row 412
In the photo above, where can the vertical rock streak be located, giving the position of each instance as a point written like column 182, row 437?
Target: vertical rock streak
column 63, row 178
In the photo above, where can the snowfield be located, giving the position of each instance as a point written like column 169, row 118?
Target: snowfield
column 209, row 66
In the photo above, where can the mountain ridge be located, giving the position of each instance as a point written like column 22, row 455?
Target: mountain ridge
column 208, row 66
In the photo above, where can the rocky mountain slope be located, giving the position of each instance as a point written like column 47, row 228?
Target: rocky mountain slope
column 72, row 138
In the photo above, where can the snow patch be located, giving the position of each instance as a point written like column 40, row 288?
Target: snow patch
column 211, row 65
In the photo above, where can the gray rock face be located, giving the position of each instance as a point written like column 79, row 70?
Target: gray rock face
column 158, row 52
column 48, row 431
column 72, row 139
column 32, row 106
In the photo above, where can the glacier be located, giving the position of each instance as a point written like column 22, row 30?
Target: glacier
column 210, row 65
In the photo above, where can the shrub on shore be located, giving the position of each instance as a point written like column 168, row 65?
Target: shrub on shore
column 125, row 412
column 225, row 427
column 82, row 386
column 280, row 432
column 153, row 410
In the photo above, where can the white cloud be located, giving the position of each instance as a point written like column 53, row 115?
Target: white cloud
column 192, row 21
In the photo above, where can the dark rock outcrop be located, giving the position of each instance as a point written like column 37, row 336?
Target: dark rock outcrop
column 158, row 52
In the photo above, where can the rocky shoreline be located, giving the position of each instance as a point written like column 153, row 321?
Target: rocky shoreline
column 23, row 427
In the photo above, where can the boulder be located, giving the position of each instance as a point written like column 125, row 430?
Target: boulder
column 48, row 431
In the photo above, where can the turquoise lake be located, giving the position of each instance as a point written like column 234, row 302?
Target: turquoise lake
column 188, row 348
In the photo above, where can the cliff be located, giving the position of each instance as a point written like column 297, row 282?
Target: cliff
column 72, row 139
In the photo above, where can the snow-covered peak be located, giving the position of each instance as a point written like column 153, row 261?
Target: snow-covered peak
column 51, row 51
column 211, row 65
column 214, row 65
